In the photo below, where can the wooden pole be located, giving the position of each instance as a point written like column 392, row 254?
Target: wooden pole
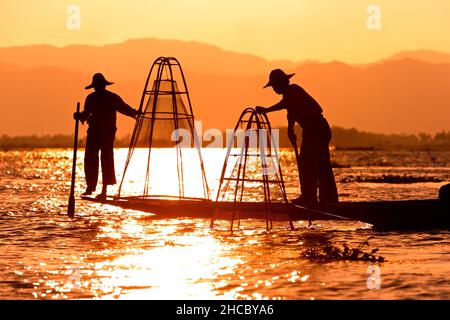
column 71, row 205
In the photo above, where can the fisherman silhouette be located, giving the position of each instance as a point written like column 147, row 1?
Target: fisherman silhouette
column 100, row 112
column 314, row 161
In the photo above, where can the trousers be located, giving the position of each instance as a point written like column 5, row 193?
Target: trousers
column 315, row 164
column 99, row 141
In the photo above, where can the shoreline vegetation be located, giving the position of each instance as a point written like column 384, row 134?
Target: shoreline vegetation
column 343, row 139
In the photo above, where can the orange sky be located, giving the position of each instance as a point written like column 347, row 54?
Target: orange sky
column 283, row 29
column 382, row 98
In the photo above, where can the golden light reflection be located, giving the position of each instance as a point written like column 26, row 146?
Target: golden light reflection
column 168, row 272
column 163, row 172
column 112, row 253
column 178, row 259
column 178, row 264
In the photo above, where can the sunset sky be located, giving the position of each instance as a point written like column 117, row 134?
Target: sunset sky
column 387, row 95
column 284, row 29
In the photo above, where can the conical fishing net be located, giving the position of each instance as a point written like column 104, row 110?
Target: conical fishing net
column 164, row 157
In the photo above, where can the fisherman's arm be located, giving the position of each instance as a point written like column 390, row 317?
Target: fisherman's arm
column 276, row 107
column 125, row 109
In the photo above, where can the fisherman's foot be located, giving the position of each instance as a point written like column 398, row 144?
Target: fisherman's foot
column 101, row 196
column 88, row 192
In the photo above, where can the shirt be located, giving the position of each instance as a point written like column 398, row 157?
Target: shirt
column 100, row 108
column 301, row 107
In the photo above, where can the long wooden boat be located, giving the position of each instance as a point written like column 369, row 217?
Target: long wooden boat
column 383, row 215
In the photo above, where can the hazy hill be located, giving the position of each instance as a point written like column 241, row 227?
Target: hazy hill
column 396, row 96
column 132, row 59
column 423, row 55
column 39, row 86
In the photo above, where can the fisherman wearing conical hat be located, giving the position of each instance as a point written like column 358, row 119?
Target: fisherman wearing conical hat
column 314, row 161
column 100, row 112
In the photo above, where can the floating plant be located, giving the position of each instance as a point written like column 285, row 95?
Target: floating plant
column 331, row 252
column 389, row 178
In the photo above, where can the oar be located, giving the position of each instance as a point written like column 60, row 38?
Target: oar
column 71, row 205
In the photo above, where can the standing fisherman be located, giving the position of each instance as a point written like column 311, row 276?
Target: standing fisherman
column 314, row 160
column 100, row 110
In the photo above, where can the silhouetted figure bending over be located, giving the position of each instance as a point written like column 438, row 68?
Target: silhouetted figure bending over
column 314, row 160
column 100, row 110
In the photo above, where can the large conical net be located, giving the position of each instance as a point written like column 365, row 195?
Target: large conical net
column 163, row 114
column 164, row 158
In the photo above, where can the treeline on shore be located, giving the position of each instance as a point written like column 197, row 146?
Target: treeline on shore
column 353, row 139
column 343, row 139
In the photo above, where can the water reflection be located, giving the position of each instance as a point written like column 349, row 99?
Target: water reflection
column 112, row 253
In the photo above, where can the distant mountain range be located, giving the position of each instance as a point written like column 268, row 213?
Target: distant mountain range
column 132, row 59
column 40, row 85
column 423, row 55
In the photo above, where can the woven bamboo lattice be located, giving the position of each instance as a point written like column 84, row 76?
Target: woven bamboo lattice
column 252, row 171
column 165, row 120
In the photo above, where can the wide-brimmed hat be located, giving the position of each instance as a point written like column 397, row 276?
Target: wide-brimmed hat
column 98, row 79
column 276, row 76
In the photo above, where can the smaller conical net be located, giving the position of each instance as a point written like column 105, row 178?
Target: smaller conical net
column 252, row 171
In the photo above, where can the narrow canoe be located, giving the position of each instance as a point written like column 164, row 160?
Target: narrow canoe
column 383, row 215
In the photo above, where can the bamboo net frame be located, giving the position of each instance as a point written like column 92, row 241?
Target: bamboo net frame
column 163, row 102
column 268, row 174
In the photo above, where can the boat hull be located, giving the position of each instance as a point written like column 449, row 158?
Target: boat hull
column 383, row 215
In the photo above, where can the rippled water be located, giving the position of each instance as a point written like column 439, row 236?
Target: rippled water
column 106, row 252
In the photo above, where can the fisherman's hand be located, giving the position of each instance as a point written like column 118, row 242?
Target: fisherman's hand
column 78, row 116
column 260, row 109
column 81, row 116
column 138, row 113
